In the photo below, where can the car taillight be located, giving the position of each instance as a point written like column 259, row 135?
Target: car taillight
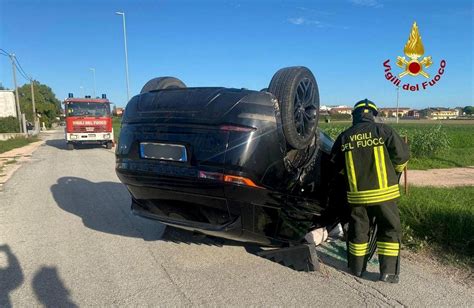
column 236, row 128
column 240, row 180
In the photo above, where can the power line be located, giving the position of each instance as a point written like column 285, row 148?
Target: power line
column 22, row 73
column 21, row 68
column 17, row 64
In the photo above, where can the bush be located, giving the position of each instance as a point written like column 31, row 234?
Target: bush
column 9, row 125
column 334, row 131
column 428, row 143
column 340, row 117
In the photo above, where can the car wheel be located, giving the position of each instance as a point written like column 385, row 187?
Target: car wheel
column 161, row 83
column 109, row 145
column 70, row 146
column 297, row 93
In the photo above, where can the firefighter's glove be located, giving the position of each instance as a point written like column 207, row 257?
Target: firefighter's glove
column 317, row 236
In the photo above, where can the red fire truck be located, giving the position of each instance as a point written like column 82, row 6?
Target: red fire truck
column 88, row 120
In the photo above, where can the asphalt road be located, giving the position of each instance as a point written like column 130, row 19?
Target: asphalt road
column 67, row 238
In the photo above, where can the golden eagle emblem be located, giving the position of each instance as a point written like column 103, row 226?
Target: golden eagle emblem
column 414, row 50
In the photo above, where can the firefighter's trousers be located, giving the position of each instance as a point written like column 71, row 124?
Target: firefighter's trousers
column 387, row 219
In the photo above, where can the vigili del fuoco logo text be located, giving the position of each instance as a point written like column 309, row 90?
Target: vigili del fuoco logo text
column 414, row 64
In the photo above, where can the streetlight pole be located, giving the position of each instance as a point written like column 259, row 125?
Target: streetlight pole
column 126, row 53
column 93, row 73
column 398, row 94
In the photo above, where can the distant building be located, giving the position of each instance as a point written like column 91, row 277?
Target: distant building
column 392, row 112
column 413, row 113
column 118, row 112
column 7, row 104
column 439, row 113
column 341, row 110
column 460, row 111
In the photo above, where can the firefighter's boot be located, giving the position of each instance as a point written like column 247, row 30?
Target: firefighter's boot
column 391, row 278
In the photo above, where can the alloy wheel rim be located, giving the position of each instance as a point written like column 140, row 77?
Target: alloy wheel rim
column 305, row 108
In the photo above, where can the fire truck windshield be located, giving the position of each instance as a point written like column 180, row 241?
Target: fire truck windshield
column 87, row 109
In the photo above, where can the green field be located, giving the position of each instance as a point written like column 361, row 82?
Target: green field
column 14, row 143
column 459, row 134
column 116, row 126
column 440, row 219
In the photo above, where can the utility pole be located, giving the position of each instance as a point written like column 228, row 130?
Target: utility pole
column 126, row 53
column 93, row 72
column 398, row 94
column 18, row 109
column 33, row 100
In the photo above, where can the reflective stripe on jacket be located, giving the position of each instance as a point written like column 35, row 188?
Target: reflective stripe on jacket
column 370, row 154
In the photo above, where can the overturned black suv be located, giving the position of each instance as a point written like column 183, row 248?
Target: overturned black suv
column 234, row 163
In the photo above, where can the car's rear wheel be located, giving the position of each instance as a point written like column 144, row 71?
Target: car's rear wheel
column 70, row 146
column 298, row 97
column 162, row 83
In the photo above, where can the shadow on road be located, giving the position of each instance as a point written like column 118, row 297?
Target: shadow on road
column 333, row 254
column 105, row 207
column 61, row 145
column 11, row 276
column 50, row 290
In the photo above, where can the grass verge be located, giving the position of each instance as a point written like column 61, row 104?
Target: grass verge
column 14, row 143
column 116, row 126
column 440, row 220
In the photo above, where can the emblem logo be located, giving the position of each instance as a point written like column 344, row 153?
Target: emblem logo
column 412, row 65
column 414, row 49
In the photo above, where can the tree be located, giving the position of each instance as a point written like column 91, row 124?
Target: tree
column 47, row 105
column 469, row 110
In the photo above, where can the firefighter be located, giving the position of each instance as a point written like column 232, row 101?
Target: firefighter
column 371, row 156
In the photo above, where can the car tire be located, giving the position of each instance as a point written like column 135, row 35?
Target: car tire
column 70, row 146
column 162, row 83
column 297, row 93
column 109, row 145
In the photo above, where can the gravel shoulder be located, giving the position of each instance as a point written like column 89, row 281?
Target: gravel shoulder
column 442, row 177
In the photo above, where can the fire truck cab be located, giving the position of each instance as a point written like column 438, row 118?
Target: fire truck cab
column 88, row 120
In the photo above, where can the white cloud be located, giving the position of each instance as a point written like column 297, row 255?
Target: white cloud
column 314, row 11
column 368, row 3
column 304, row 21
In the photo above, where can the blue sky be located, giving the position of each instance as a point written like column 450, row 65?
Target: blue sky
column 240, row 44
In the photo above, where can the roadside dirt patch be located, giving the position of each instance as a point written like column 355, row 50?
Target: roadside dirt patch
column 10, row 161
column 441, row 177
column 429, row 260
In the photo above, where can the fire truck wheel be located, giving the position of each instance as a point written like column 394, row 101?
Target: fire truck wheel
column 161, row 83
column 109, row 145
column 70, row 146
